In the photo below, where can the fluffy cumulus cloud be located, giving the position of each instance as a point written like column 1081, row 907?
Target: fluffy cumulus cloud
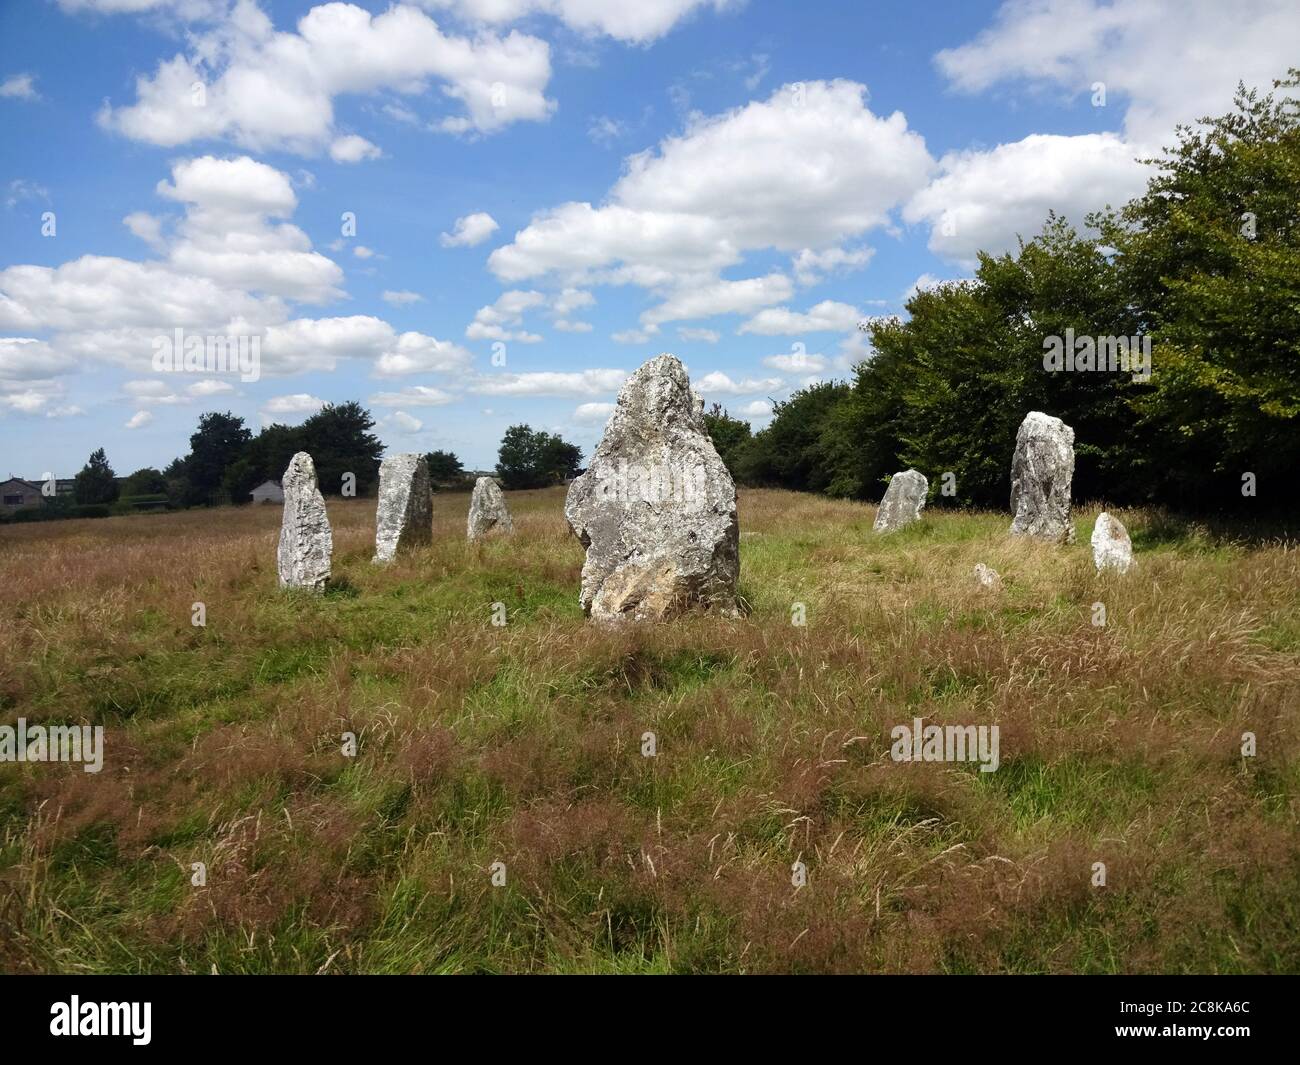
column 821, row 168
column 828, row 316
column 719, row 383
column 550, row 383
column 286, row 410
column 231, row 265
column 501, row 320
column 633, row 21
column 262, row 88
column 593, row 413
column 139, row 419
column 1153, row 59
column 19, row 87
column 470, row 230
column 415, row 396
column 797, row 361
column 353, row 148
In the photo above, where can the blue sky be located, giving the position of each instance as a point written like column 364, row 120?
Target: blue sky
column 572, row 185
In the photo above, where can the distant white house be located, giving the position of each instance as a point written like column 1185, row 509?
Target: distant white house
column 268, row 492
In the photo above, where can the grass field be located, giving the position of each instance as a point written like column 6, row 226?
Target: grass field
column 522, row 744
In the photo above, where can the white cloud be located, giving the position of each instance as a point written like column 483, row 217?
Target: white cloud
column 566, row 326
column 470, row 230
column 704, row 336
column 593, row 413
column 811, row 266
column 570, row 300
column 295, row 407
column 362, row 252
column 757, row 410
column 638, row 22
column 819, row 169
column 501, row 320
column 353, row 149
column 138, row 419
column 210, row 387
column 400, row 299
column 414, row 396
column 417, row 353
column 19, row 87
column 796, row 362
column 28, row 359
column 826, row 317
column 983, row 199
column 401, row 423
column 548, row 383
column 145, row 226
column 718, row 383
column 265, row 89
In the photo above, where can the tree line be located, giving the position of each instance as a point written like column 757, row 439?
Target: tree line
column 1203, row 268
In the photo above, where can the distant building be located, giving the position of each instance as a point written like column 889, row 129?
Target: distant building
column 268, row 492
column 17, row 494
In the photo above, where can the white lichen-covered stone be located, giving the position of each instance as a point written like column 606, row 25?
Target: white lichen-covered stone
column 656, row 510
column 987, row 577
column 1111, row 546
column 306, row 543
column 488, row 512
column 1041, row 472
column 903, row 501
column 404, row 517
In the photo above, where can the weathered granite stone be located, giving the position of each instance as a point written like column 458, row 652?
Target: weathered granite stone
column 903, row 501
column 656, row 510
column 487, row 510
column 1041, row 472
column 987, row 577
column 405, row 514
column 1111, row 547
column 306, row 544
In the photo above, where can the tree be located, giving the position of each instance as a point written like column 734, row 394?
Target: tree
column 218, row 442
column 444, row 467
column 144, row 482
column 339, row 440
column 532, row 459
column 787, row 454
column 96, row 483
column 729, row 435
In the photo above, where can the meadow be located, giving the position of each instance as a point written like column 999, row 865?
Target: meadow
column 522, row 744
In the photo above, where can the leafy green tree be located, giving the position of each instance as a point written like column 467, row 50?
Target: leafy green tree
column 219, row 441
column 339, row 440
column 1211, row 253
column 444, row 467
column 145, row 481
column 96, row 483
column 787, row 454
column 729, row 435
column 531, row 459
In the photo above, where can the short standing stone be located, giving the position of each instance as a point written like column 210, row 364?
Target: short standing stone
column 487, row 510
column 903, row 502
column 987, row 577
column 656, row 510
column 405, row 515
column 1041, row 472
column 1111, row 547
column 306, row 544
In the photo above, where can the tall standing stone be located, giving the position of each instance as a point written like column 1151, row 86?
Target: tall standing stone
column 656, row 510
column 903, row 501
column 405, row 514
column 1111, row 546
column 306, row 544
column 1041, row 472
column 487, row 510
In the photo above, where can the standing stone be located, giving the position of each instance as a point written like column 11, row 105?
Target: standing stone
column 1111, row 547
column 305, row 540
column 1041, row 472
column 987, row 576
column 487, row 510
column 903, row 502
column 656, row 510
column 405, row 515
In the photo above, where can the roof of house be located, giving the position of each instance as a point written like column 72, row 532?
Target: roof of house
column 25, row 483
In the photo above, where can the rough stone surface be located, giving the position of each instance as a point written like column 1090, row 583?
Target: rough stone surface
column 1041, row 472
column 1111, row 547
column 903, row 501
column 306, row 544
column 405, row 514
column 487, row 510
column 656, row 510
column 987, row 577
